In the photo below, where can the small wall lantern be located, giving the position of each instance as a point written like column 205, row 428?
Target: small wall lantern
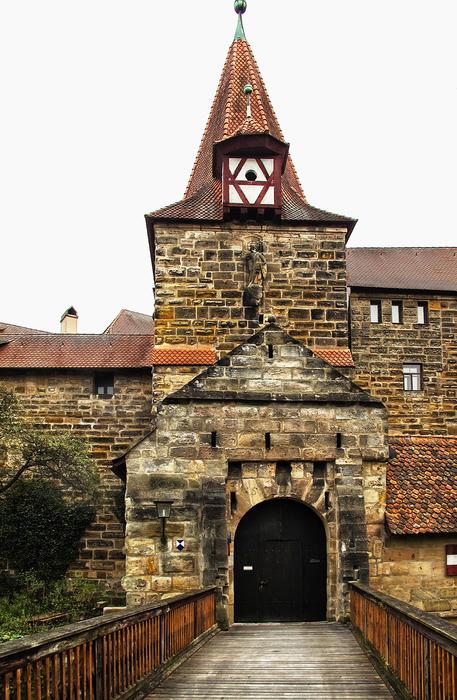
column 163, row 512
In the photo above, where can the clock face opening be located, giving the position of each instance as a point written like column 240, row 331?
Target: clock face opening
column 251, row 176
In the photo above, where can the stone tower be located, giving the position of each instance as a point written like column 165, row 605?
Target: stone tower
column 264, row 447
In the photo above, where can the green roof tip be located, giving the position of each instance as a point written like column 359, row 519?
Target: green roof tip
column 240, row 9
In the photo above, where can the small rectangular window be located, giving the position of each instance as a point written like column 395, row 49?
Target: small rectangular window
column 412, row 377
column 422, row 312
column 375, row 312
column 397, row 312
column 104, row 384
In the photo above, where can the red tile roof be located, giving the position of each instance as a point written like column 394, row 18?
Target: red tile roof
column 11, row 328
column 131, row 323
column 76, row 351
column 183, row 356
column 338, row 357
column 203, row 197
column 422, row 486
column 432, row 269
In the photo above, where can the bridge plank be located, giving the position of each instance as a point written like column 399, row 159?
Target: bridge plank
column 306, row 660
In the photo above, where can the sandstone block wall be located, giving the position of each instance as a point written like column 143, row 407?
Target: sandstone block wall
column 180, row 461
column 65, row 400
column 200, row 276
column 381, row 349
column 412, row 568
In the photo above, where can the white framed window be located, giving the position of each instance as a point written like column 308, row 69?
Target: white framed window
column 412, row 377
column 375, row 312
column 104, row 384
column 422, row 312
column 397, row 312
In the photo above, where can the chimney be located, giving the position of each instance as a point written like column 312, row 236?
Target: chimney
column 69, row 321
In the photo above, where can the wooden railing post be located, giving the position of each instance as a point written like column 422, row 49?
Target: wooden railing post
column 98, row 669
column 427, row 685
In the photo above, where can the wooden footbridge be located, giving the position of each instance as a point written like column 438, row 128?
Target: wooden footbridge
column 173, row 650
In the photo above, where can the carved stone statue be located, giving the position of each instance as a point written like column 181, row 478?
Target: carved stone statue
column 256, row 266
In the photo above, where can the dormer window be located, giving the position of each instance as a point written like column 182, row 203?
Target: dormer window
column 251, row 166
column 252, row 182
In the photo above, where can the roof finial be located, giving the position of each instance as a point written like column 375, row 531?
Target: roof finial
column 240, row 9
column 248, row 92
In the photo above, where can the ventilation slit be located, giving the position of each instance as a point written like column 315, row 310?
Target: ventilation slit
column 270, row 352
column 339, row 440
column 268, row 441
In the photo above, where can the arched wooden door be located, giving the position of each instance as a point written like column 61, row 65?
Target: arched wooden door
column 280, row 564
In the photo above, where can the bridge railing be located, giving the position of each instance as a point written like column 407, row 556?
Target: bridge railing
column 417, row 649
column 107, row 657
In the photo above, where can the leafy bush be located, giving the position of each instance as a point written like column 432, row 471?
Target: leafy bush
column 40, row 529
column 75, row 597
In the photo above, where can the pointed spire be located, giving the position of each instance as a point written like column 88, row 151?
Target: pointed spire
column 240, row 9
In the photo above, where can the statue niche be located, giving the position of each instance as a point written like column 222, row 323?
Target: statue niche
column 256, row 268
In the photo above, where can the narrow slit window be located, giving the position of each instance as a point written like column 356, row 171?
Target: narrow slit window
column 412, row 377
column 268, row 441
column 375, row 312
column 397, row 312
column 339, row 440
column 213, row 439
column 422, row 312
column 271, row 352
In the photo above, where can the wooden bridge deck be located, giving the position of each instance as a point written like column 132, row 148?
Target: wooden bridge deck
column 309, row 660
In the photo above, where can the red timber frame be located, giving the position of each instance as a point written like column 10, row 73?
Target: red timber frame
column 273, row 180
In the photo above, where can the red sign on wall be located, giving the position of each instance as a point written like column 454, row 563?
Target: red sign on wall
column 451, row 559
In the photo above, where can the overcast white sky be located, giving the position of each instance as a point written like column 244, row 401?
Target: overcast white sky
column 103, row 104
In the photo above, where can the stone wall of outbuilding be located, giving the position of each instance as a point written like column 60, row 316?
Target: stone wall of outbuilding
column 65, row 400
column 413, row 568
column 381, row 349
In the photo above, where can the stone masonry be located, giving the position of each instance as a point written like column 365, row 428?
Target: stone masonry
column 200, row 276
column 381, row 349
column 330, row 432
column 65, row 400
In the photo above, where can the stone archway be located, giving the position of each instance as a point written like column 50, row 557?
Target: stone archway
column 280, row 564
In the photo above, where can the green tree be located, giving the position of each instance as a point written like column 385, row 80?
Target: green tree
column 40, row 529
column 30, row 450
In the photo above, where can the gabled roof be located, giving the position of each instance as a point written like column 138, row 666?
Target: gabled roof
column 203, row 196
column 430, row 269
column 76, row 351
column 12, row 329
column 307, row 378
column 131, row 323
column 422, row 486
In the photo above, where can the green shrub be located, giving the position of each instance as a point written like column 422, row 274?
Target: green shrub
column 76, row 597
column 40, row 529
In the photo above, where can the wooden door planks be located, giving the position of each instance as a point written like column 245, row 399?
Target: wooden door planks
column 304, row 660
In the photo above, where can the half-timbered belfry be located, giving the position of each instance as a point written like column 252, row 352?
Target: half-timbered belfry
column 264, row 447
